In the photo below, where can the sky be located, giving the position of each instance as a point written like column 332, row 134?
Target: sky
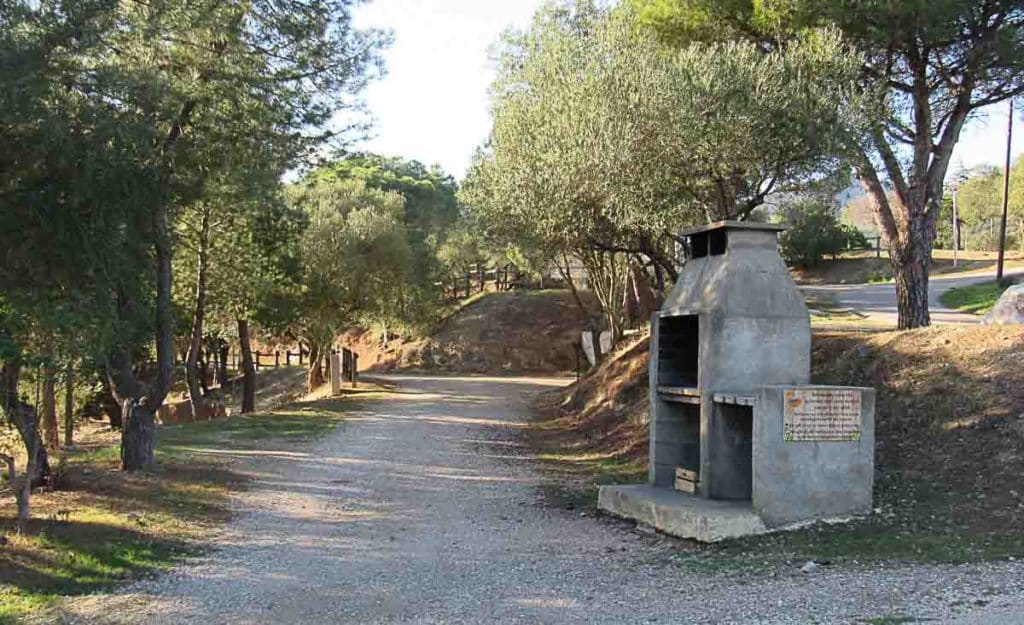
column 432, row 105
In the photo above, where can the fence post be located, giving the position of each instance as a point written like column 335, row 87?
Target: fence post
column 256, row 360
column 287, row 358
column 277, row 358
column 355, row 369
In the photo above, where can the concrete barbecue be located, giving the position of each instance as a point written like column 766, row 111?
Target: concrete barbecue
column 740, row 442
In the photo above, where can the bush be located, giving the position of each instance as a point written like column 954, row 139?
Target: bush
column 815, row 232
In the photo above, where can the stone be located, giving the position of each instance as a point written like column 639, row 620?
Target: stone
column 810, row 566
column 1009, row 309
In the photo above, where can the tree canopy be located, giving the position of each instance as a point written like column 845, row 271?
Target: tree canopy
column 606, row 141
column 926, row 65
column 119, row 120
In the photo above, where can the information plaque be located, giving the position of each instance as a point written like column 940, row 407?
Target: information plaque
column 821, row 415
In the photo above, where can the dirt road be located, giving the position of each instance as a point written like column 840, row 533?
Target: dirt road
column 424, row 509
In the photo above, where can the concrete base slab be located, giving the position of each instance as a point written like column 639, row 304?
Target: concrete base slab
column 681, row 514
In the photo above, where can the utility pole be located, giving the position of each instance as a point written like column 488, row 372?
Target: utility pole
column 1006, row 197
column 956, row 226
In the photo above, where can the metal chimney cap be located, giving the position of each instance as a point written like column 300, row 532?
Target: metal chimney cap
column 734, row 225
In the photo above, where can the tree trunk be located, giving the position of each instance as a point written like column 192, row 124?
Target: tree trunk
column 51, row 434
column 315, row 376
column 111, row 406
column 29, row 430
column 607, row 273
column 25, row 419
column 910, row 272
column 581, row 309
column 192, row 372
column 223, row 349
column 69, row 405
column 204, row 371
column 137, row 438
column 141, row 402
column 248, row 367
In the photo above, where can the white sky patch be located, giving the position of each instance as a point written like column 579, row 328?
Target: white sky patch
column 983, row 140
column 433, row 104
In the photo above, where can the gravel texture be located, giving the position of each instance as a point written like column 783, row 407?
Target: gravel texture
column 423, row 508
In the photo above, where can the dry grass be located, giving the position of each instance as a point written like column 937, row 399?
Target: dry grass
column 595, row 431
column 100, row 526
column 514, row 332
column 950, row 413
column 950, row 442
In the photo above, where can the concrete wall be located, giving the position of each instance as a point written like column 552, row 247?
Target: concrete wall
column 730, row 438
column 799, row 481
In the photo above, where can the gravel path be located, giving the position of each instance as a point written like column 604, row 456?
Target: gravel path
column 422, row 509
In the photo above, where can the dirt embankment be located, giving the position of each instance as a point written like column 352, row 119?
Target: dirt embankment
column 515, row 332
column 950, row 414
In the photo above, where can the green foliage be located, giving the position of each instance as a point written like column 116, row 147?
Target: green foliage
column 974, row 298
column 116, row 115
column 815, row 232
column 605, row 139
column 430, row 212
column 430, row 204
column 926, row 68
column 118, row 119
column 944, row 227
column 354, row 257
column 980, row 199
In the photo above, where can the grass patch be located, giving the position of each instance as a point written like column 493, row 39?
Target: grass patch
column 915, row 524
column 580, row 475
column 101, row 526
column 976, row 299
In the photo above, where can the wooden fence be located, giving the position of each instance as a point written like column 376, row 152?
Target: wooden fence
column 479, row 279
column 274, row 359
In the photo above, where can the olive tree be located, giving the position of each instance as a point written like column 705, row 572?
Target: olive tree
column 355, row 261
column 607, row 141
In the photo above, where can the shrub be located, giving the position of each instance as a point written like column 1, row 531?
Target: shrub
column 815, row 232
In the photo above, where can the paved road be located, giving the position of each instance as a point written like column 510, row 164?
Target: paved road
column 424, row 508
column 878, row 301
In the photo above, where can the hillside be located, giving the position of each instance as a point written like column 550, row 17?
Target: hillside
column 950, row 426
column 513, row 332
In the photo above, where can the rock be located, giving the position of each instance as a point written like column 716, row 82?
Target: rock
column 1009, row 309
column 809, row 567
